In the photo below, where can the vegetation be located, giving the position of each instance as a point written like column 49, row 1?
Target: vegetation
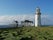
column 27, row 33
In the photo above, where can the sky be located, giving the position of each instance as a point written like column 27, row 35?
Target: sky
column 25, row 9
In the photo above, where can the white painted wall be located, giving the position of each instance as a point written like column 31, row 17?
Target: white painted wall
column 37, row 20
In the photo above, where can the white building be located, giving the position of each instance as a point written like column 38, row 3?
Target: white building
column 37, row 17
column 27, row 23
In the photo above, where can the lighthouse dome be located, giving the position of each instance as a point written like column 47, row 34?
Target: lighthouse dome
column 37, row 10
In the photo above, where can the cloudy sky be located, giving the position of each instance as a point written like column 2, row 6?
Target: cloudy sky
column 20, row 10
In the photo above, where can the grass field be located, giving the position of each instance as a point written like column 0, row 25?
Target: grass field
column 27, row 33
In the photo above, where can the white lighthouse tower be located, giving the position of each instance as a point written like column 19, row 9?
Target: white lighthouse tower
column 37, row 17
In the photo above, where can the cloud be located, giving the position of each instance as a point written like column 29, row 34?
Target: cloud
column 8, row 19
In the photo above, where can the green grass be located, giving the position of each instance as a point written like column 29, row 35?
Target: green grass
column 27, row 33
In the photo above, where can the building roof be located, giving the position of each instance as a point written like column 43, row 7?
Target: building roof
column 26, row 21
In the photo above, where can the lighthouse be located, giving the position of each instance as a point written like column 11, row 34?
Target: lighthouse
column 37, row 17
